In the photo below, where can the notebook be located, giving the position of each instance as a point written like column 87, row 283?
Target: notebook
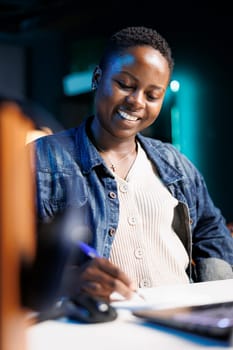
column 214, row 320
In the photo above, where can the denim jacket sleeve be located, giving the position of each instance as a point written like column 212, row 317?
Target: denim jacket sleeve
column 58, row 176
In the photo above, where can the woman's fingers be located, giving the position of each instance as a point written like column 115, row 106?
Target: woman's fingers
column 101, row 278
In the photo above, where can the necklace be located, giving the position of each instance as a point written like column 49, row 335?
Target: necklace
column 114, row 164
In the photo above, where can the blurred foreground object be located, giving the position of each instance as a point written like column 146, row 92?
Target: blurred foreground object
column 44, row 123
column 32, row 256
column 17, row 227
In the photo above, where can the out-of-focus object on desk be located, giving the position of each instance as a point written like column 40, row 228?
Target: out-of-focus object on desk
column 82, row 309
column 208, row 320
column 16, row 222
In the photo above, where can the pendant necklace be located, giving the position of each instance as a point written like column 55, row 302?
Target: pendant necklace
column 114, row 164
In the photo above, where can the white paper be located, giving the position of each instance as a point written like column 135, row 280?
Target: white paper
column 177, row 295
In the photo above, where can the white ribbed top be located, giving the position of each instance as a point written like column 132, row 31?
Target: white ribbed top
column 145, row 245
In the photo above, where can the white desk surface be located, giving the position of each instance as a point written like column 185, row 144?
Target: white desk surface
column 129, row 333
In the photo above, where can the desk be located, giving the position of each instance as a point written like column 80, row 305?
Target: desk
column 129, row 333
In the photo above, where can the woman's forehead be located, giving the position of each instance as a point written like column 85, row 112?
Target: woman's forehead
column 142, row 55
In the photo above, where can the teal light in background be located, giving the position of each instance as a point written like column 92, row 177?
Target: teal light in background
column 185, row 114
column 77, row 83
column 82, row 64
column 174, row 85
column 175, row 125
column 175, row 115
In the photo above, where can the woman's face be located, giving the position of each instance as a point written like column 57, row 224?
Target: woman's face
column 130, row 91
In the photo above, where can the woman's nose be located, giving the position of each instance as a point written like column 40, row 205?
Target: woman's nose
column 136, row 99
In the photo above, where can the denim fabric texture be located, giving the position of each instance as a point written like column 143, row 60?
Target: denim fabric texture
column 71, row 173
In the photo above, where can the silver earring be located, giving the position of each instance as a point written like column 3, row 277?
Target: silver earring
column 94, row 86
column 95, row 78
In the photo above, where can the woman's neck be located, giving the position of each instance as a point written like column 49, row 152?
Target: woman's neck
column 119, row 155
column 106, row 142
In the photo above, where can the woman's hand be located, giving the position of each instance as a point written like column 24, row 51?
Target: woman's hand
column 98, row 278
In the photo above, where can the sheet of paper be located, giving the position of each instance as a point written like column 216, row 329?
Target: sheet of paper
column 178, row 295
column 156, row 300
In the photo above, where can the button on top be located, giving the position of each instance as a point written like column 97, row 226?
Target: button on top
column 138, row 253
column 123, row 188
column 112, row 195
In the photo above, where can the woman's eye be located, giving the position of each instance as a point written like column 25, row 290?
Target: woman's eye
column 152, row 98
column 124, row 86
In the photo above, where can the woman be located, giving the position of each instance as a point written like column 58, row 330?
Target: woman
column 151, row 218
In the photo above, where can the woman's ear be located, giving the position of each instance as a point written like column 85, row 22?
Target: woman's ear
column 96, row 78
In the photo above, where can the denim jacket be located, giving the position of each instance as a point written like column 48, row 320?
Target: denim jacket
column 71, row 173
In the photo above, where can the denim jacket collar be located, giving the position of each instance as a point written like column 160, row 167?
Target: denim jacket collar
column 167, row 172
column 90, row 158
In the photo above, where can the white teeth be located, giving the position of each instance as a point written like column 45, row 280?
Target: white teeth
column 127, row 116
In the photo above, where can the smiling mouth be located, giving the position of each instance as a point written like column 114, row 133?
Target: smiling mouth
column 127, row 116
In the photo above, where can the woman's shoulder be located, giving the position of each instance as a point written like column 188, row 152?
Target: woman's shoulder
column 158, row 146
column 168, row 154
column 64, row 138
column 61, row 136
column 56, row 148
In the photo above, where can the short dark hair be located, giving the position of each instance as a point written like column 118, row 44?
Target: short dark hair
column 137, row 36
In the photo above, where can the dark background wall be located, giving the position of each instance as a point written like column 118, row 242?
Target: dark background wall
column 41, row 42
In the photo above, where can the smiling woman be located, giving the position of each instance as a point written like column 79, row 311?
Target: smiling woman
column 133, row 87
column 146, row 205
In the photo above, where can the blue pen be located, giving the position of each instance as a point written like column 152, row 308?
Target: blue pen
column 89, row 251
column 92, row 253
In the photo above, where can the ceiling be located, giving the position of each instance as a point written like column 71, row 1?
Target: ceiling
column 192, row 26
column 19, row 16
column 25, row 15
